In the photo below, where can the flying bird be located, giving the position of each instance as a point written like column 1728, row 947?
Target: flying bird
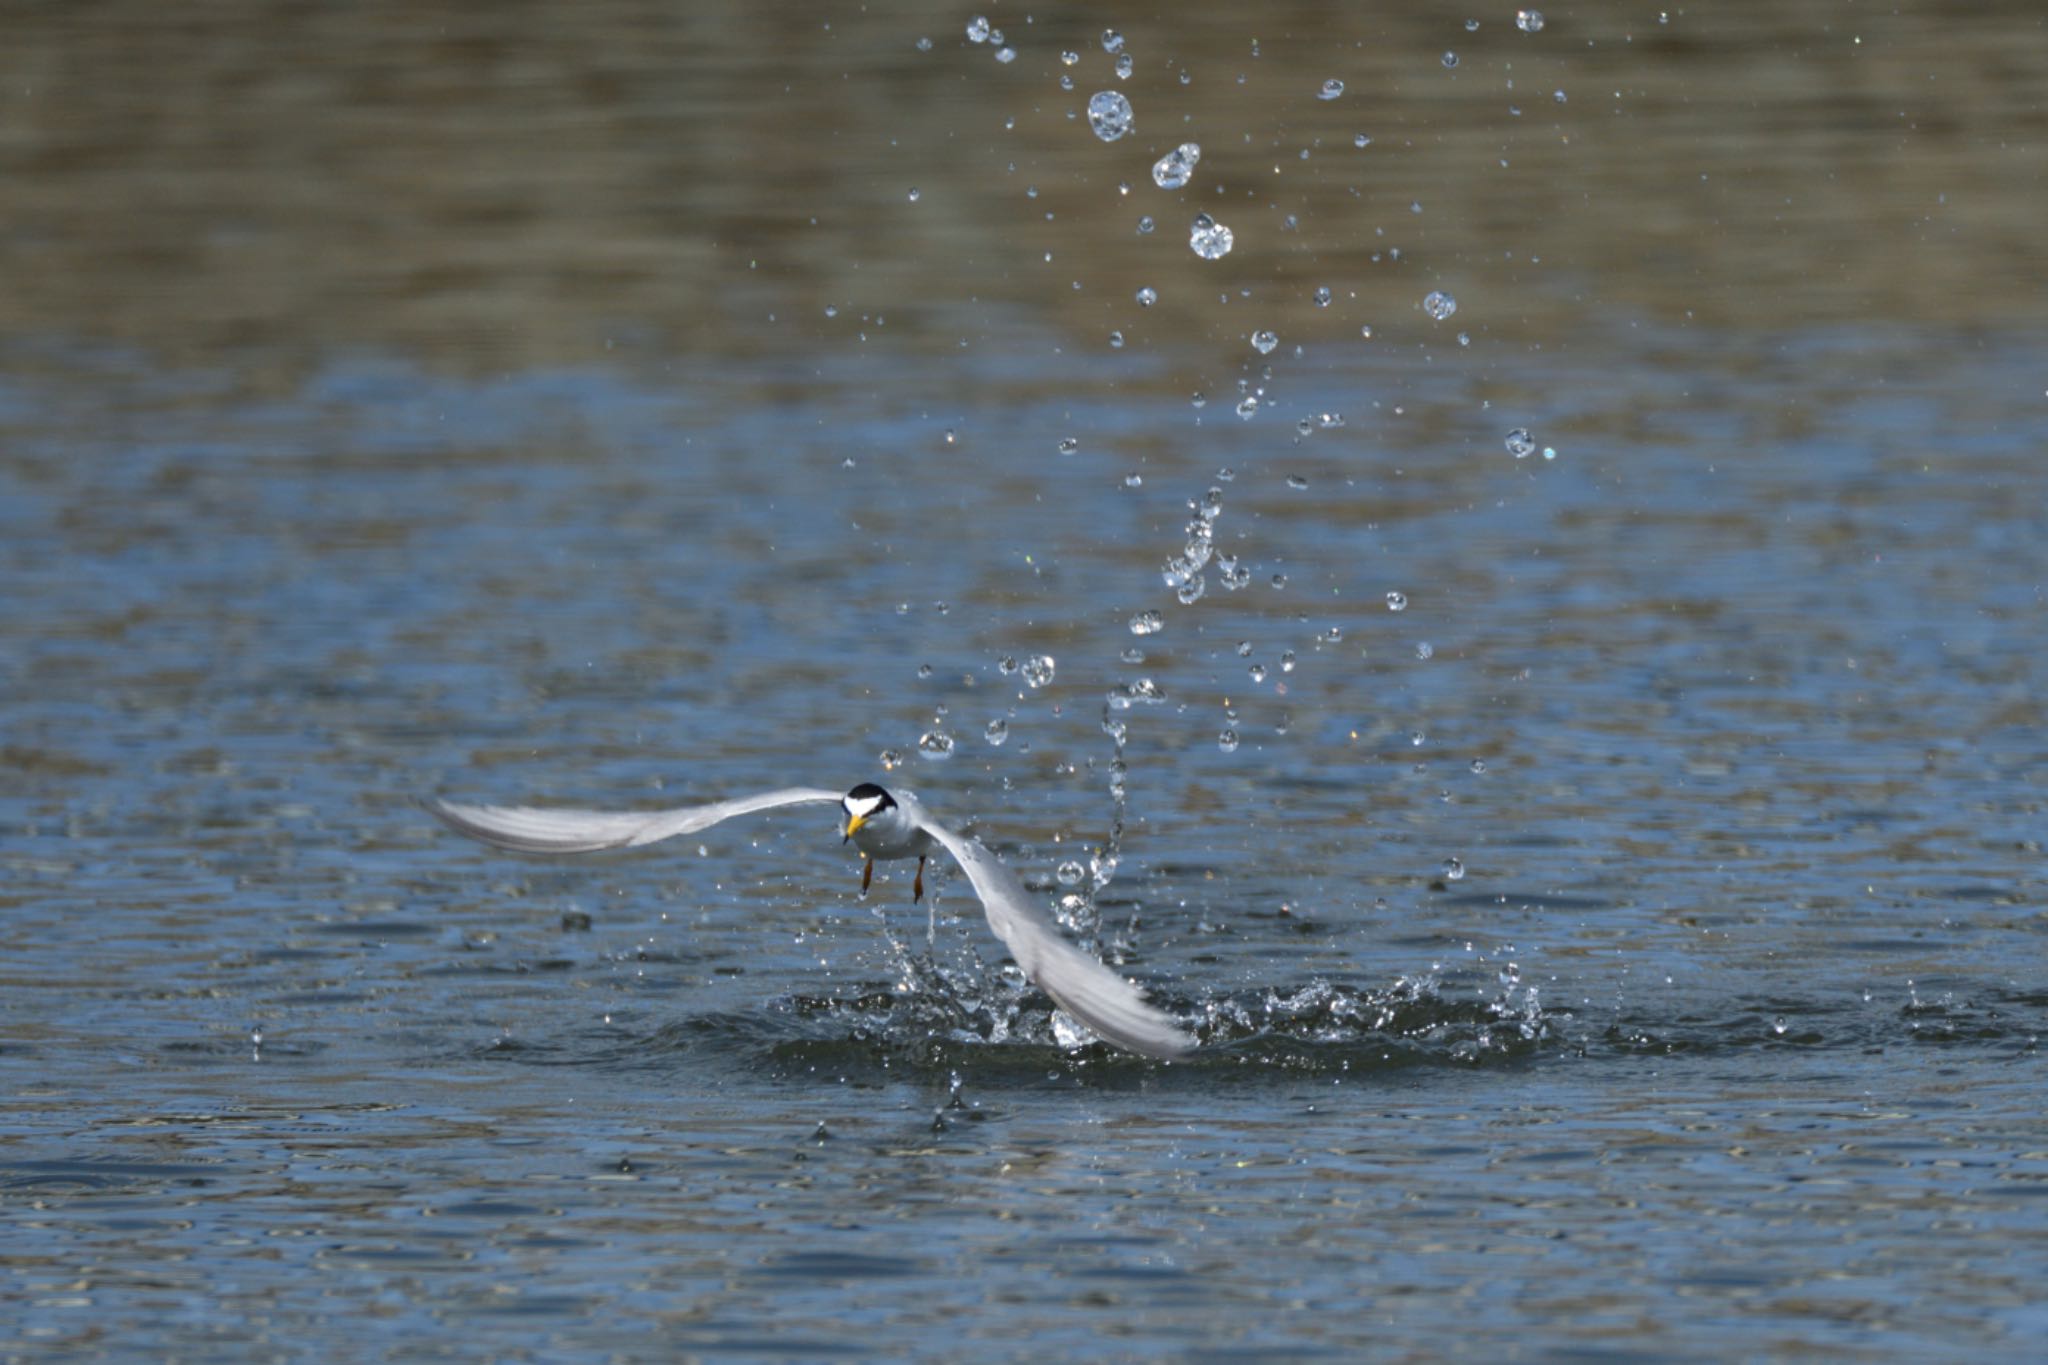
column 884, row 826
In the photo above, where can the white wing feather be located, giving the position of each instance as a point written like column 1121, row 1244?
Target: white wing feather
column 526, row 829
column 1082, row 986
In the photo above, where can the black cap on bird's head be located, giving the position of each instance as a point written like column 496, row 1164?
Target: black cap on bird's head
column 863, row 804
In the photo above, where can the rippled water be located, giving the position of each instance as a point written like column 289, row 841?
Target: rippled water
column 1632, row 945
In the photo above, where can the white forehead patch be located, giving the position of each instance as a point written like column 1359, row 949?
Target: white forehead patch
column 862, row 806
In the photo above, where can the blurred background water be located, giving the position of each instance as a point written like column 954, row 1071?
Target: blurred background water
column 1591, row 812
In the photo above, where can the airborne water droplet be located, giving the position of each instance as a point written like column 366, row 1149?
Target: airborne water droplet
column 1209, row 239
column 1109, row 114
column 1174, row 170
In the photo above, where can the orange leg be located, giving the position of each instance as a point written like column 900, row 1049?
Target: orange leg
column 867, row 875
column 917, row 887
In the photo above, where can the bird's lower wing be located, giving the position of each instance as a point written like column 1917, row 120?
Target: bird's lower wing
column 1082, row 986
column 526, row 829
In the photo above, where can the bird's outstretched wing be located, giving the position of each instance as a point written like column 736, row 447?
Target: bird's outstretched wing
column 527, row 829
column 1109, row 1005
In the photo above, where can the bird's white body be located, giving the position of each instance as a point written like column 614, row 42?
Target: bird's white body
column 882, row 825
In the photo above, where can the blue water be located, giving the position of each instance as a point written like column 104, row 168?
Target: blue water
column 1725, row 1041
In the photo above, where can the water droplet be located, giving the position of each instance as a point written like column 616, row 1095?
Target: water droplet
column 1366, row 331
column 1265, row 342
column 1454, row 870
column 1070, row 873
column 1112, row 41
column 924, row 44
column 1147, row 296
column 1116, row 341
column 924, row 670
column 1778, row 1026
column 1068, row 445
column 1134, row 480
column 1529, row 20
column 1174, row 170
column 1296, row 481
column 1332, row 89
column 1322, row 296
column 1145, row 224
column 1248, row 406
column 1397, row 601
column 1147, row 623
column 1519, row 444
column 1257, row 673
column 1361, row 141
column 1550, row 452
column 1191, row 591
column 996, row 731
column 1438, row 304
column 1557, row 95
column 1450, row 59
column 1069, row 58
column 935, row 744
column 1006, row 55
column 1210, row 239
column 1227, row 741
column 1038, row 670
column 1279, row 581
column 1006, row 665
column 1478, row 765
column 977, row 29
column 1471, row 26
column 1464, row 338
column 1109, row 114
column 831, row 310
column 1124, row 66
column 1329, row 421
column 1425, row 650
column 889, row 759
column 915, row 194
column 1287, row 661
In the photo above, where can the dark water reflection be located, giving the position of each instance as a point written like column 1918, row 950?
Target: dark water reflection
column 418, row 422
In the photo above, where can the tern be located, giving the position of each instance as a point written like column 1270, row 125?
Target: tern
column 883, row 825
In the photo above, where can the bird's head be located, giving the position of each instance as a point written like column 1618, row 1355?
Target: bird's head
column 864, row 803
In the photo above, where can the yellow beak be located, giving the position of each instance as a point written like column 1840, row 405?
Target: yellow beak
column 853, row 824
